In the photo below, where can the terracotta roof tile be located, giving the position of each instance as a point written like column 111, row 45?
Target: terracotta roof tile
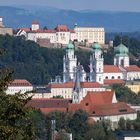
column 111, row 109
column 100, row 97
column 35, row 22
column 20, row 82
column 132, row 68
column 48, row 110
column 42, row 31
column 100, row 104
column 62, row 28
column 71, row 85
column 113, row 81
column 26, row 29
column 111, row 69
column 49, row 103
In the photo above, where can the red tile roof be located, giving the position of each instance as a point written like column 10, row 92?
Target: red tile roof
column 112, row 109
column 42, row 31
column 35, row 22
column 100, row 104
column 92, row 99
column 132, row 68
column 20, row 82
column 62, row 28
column 48, row 110
column 113, row 81
column 111, row 69
column 26, row 29
column 71, row 85
column 49, row 103
column 72, row 31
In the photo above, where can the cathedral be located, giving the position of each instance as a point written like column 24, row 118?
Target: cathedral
column 99, row 72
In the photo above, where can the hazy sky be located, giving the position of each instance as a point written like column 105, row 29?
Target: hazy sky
column 119, row 5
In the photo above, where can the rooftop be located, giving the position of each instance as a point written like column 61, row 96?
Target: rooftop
column 111, row 69
column 20, row 82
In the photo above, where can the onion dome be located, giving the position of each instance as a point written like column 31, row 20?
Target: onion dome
column 70, row 46
column 121, row 49
column 96, row 46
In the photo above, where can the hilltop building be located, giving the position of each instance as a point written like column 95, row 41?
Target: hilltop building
column 62, row 34
column 19, row 85
column 5, row 30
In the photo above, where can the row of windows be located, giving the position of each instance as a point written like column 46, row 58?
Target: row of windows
column 113, row 77
column 17, row 90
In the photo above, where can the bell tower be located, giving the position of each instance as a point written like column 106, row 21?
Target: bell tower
column 96, row 64
column 121, row 58
column 69, row 63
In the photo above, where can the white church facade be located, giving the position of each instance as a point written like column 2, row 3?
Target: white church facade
column 99, row 74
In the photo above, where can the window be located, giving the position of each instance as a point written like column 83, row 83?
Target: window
column 112, row 77
column 123, row 110
column 86, row 104
column 122, row 62
column 93, row 112
column 119, row 77
column 106, row 77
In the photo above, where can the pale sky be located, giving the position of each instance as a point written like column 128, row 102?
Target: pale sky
column 111, row 5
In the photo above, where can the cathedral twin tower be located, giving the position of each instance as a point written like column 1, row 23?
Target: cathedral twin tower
column 96, row 73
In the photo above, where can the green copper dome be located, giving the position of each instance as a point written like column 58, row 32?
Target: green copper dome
column 121, row 49
column 70, row 46
column 96, row 46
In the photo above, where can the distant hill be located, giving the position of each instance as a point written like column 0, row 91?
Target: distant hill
column 50, row 17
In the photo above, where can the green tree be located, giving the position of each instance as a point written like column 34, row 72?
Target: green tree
column 122, row 124
column 15, row 123
column 78, row 124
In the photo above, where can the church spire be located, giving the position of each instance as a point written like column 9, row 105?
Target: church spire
column 77, row 87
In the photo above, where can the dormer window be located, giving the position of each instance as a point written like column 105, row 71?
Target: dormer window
column 123, row 110
column 87, row 104
column 93, row 112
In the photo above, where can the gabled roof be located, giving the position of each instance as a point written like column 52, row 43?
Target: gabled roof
column 98, row 98
column 20, row 82
column 132, row 68
column 111, row 69
column 100, row 104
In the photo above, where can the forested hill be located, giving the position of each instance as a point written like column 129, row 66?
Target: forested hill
column 38, row 64
column 32, row 62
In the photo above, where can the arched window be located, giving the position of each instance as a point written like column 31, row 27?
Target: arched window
column 106, row 77
column 122, row 62
column 119, row 77
column 112, row 77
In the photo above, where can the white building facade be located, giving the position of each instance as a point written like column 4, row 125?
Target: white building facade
column 19, row 86
column 62, row 34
